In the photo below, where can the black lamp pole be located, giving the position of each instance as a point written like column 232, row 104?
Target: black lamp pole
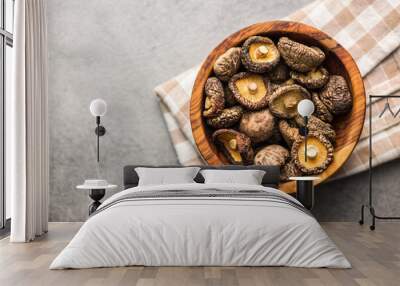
column 98, row 138
column 100, row 131
column 305, row 137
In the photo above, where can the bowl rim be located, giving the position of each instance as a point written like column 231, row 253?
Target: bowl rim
column 204, row 144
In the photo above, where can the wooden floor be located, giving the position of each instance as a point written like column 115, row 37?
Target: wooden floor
column 375, row 257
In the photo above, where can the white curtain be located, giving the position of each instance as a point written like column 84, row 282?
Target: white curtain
column 27, row 125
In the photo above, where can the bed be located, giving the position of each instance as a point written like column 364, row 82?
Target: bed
column 201, row 224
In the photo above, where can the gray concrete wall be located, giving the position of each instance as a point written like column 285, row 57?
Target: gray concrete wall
column 119, row 51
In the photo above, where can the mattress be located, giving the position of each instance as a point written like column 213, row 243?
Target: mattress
column 201, row 225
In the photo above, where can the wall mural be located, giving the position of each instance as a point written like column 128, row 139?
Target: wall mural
column 138, row 133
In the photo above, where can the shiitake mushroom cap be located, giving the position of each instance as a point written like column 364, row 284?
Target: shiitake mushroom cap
column 271, row 155
column 250, row 90
column 258, row 125
column 227, row 64
column 259, row 54
column 283, row 101
column 235, row 145
column 336, row 95
column 314, row 79
column 215, row 100
column 318, row 160
column 227, row 118
column 300, row 57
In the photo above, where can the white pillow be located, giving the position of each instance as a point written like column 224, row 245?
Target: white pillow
column 165, row 176
column 248, row 177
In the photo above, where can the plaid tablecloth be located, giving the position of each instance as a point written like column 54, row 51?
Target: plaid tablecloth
column 369, row 30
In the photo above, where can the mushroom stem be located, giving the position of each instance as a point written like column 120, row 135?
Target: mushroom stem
column 312, row 152
column 261, row 51
column 233, row 144
column 252, row 87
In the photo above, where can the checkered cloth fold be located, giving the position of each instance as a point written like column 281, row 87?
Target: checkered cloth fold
column 369, row 30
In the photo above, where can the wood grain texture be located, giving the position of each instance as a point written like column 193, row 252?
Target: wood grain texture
column 375, row 258
column 338, row 61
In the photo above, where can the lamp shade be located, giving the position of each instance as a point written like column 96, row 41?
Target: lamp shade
column 98, row 107
column 305, row 107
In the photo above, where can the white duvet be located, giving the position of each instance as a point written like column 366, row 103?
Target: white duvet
column 200, row 231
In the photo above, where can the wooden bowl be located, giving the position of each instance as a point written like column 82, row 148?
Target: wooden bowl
column 338, row 61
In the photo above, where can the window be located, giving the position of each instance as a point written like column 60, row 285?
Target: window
column 6, row 44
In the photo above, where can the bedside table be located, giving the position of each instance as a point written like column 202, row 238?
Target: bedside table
column 97, row 190
column 305, row 190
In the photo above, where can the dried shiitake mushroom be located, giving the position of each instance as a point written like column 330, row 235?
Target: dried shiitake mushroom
column 315, row 78
column 259, row 54
column 235, row 145
column 316, row 125
column 271, row 155
column 300, row 57
column 250, row 90
column 229, row 97
column 227, row 118
column 215, row 99
column 284, row 100
column 319, row 153
column 289, row 132
column 258, row 125
column 336, row 95
column 279, row 73
column 290, row 170
column 227, row 64
column 321, row 111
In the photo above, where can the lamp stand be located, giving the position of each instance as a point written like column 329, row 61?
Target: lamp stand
column 305, row 193
column 96, row 195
